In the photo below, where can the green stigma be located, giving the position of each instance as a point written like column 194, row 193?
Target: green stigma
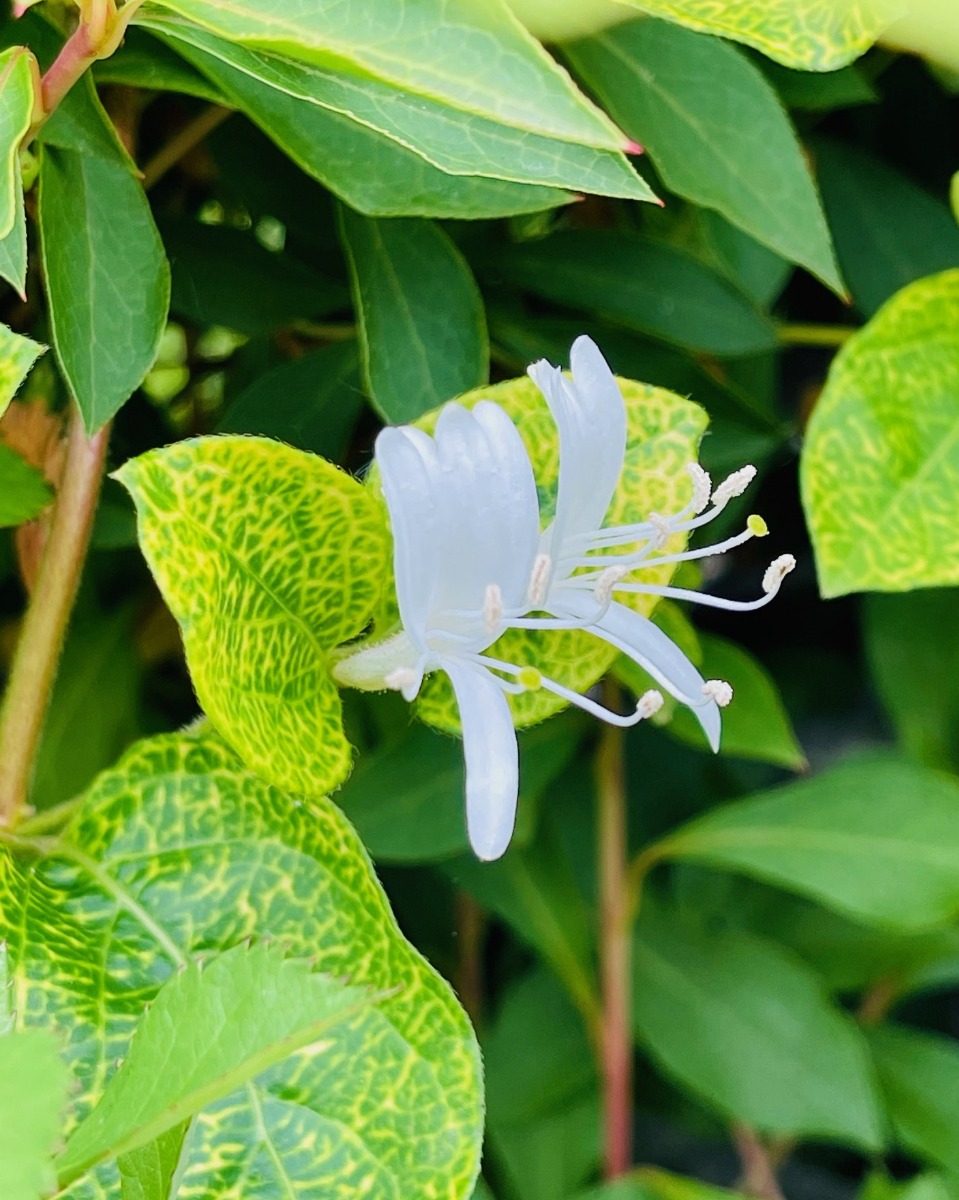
column 757, row 526
column 530, row 678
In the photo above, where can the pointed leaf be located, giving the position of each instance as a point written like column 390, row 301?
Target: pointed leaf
column 179, row 853
column 18, row 71
column 17, row 356
column 751, row 1030
column 268, row 557
column 211, row 1029
column 502, row 72
column 728, row 147
column 108, row 281
column 13, row 247
column 33, row 1095
column 798, row 33
column 647, row 285
column 422, row 324
column 881, row 459
column 368, row 170
column 447, row 138
column 840, row 838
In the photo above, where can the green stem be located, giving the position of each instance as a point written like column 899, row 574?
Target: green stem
column 816, row 335
column 616, row 1041
column 44, row 626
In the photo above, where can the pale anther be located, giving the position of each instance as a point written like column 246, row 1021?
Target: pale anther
column 757, row 526
column 649, row 703
column 530, row 678
column 733, row 485
column 606, row 582
column 402, row 677
column 718, row 690
column 662, row 527
column 776, row 572
column 702, row 486
column 539, row 580
column 492, row 607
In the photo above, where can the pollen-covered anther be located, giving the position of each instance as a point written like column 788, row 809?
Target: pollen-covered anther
column 401, row 678
column 718, row 690
column 539, row 580
column 530, row 678
column 606, row 582
column 492, row 607
column 649, row 704
column 733, row 485
column 776, row 572
column 702, row 486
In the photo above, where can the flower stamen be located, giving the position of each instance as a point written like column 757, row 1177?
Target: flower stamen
column 719, row 691
column 492, row 607
column 539, row 580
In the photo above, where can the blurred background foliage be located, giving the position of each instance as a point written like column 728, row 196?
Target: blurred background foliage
column 796, row 955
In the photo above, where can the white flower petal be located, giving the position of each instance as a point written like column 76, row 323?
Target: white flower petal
column 591, row 418
column 647, row 645
column 492, row 758
column 408, row 470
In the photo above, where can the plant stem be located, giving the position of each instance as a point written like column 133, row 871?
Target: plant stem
column 470, row 928
column 180, row 145
column 616, row 1042
column 816, row 335
column 759, row 1176
column 44, row 626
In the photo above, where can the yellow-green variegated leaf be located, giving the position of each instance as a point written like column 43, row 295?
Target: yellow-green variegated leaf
column 17, row 356
column 880, row 467
column 268, row 557
column 664, row 431
column 179, row 853
column 811, row 35
column 18, row 71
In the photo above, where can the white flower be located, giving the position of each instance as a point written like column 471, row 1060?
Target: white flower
column 470, row 561
column 466, row 531
column 576, row 575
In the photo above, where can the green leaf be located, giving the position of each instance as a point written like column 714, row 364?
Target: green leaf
column 797, row 33
column 24, row 493
column 371, row 172
column 816, row 92
column 756, row 724
column 420, row 313
column 552, row 1155
column 18, row 72
column 100, row 250
column 650, row 1183
column 179, row 853
column 33, row 1095
column 17, row 356
column 13, row 247
column 143, row 61
column 888, row 231
column 912, row 642
column 917, row 1073
column 447, row 138
column 269, row 558
column 728, row 147
column 923, row 1187
column 746, row 263
column 646, row 285
column 840, row 837
column 769, row 1048
column 212, row 1029
column 224, row 276
column 502, row 73
column 155, row 1171
column 311, row 402
column 881, row 458
column 424, row 820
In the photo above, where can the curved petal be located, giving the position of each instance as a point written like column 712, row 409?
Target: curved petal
column 647, row 645
column 409, row 473
column 492, row 758
column 591, row 418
